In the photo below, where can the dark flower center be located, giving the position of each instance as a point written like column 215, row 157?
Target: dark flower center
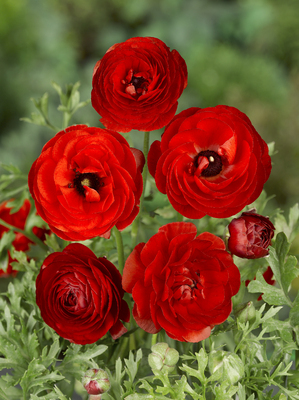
column 215, row 163
column 89, row 179
column 136, row 84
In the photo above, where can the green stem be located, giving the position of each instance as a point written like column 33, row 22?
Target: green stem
column 120, row 249
column 29, row 235
column 135, row 225
column 154, row 338
column 66, row 119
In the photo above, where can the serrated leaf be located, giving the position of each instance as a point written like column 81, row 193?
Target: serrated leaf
column 291, row 229
column 49, row 357
column 61, row 396
column 132, row 365
column 202, row 362
column 271, row 294
column 283, row 327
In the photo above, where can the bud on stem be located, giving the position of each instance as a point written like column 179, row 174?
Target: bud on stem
column 96, row 382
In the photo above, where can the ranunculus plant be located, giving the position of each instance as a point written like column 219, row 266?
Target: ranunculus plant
column 170, row 285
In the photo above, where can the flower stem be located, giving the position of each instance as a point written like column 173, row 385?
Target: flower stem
column 120, row 249
column 135, row 225
column 66, row 119
column 154, row 338
column 29, row 235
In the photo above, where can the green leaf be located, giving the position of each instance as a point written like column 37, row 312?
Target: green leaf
column 6, row 241
column 132, row 365
column 281, row 247
column 202, row 362
column 225, row 391
column 61, row 396
column 291, row 229
column 283, row 327
column 294, row 313
column 271, row 294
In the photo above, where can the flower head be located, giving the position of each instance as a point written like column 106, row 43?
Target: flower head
column 137, row 83
column 80, row 295
column 180, row 282
column 210, row 161
column 250, row 235
column 86, row 181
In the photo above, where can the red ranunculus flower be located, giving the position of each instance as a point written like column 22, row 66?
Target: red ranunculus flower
column 85, row 181
column 137, row 83
column 268, row 275
column 80, row 295
column 180, row 282
column 20, row 242
column 210, row 161
column 250, row 235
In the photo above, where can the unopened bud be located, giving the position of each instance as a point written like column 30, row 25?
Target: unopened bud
column 245, row 312
column 163, row 358
column 96, row 381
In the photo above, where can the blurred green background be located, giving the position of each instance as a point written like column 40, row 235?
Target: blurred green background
column 243, row 53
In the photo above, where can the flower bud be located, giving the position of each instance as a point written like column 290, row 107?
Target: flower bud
column 96, row 381
column 245, row 312
column 163, row 358
column 250, row 235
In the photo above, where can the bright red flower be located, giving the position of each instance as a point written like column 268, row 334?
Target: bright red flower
column 137, row 83
column 20, row 242
column 180, row 282
column 250, row 235
column 210, row 161
column 80, row 295
column 86, row 181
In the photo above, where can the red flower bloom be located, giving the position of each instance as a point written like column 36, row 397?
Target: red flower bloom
column 80, row 295
column 180, row 282
column 20, row 242
column 137, row 83
column 85, row 181
column 250, row 235
column 210, row 161
column 268, row 275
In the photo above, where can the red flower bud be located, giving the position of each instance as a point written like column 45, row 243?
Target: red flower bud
column 96, row 381
column 250, row 235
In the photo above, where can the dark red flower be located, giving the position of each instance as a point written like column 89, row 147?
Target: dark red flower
column 86, row 181
column 137, row 83
column 210, row 161
column 80, row 295
column 20, row 242
column 180, row 282
column 268, row 275
column 250, row 235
